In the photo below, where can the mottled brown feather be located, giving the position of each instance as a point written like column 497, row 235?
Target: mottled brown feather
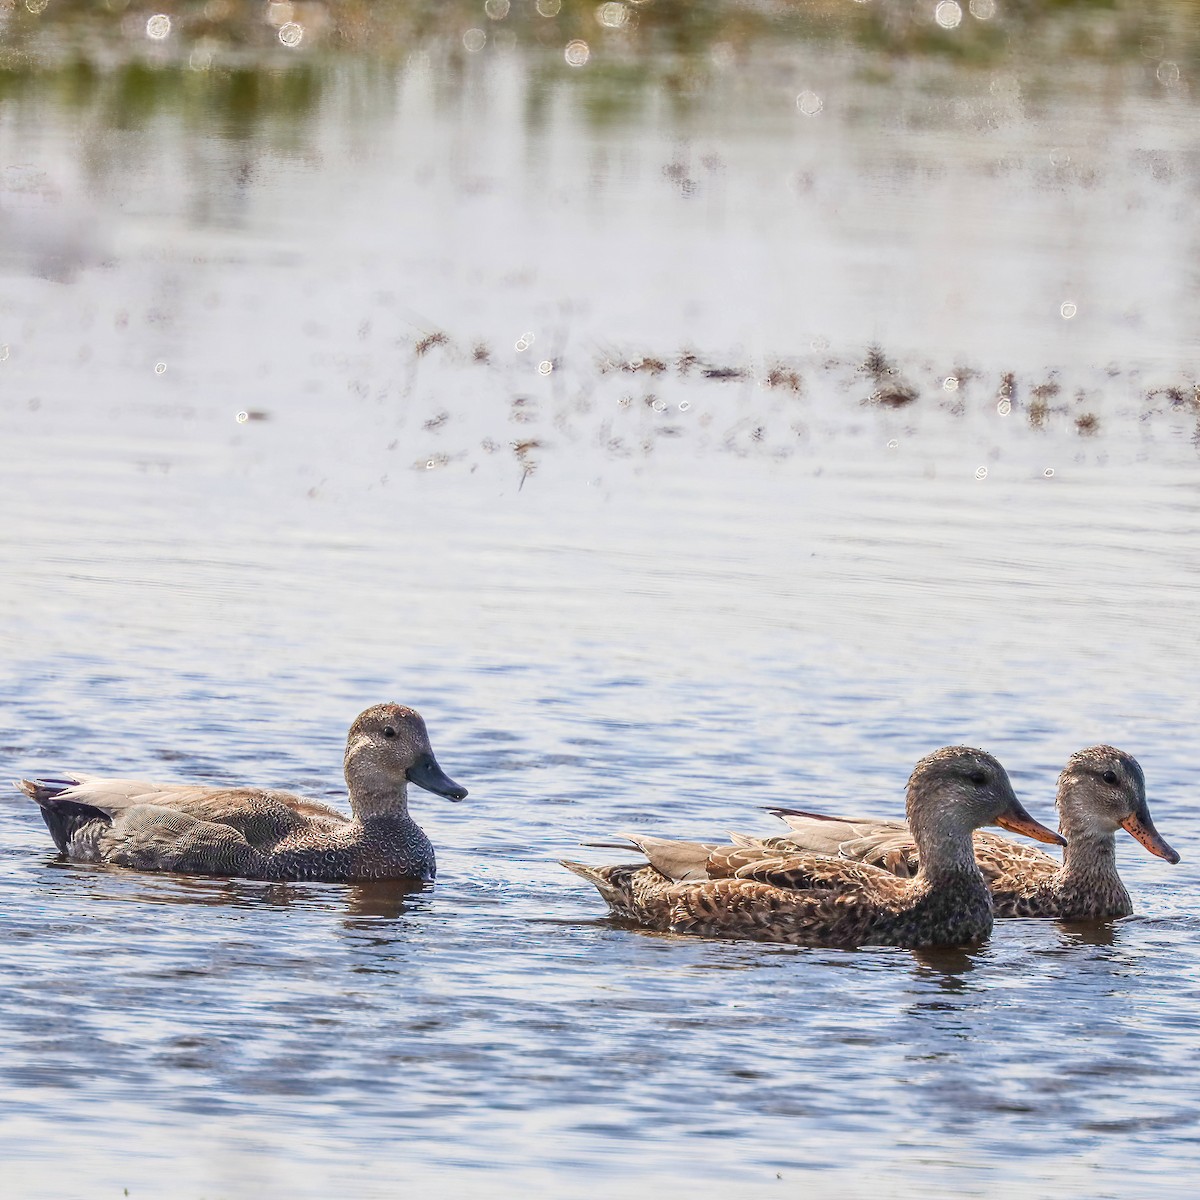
column 771, row 891
column 1024, row 881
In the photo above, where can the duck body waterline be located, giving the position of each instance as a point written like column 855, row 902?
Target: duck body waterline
column 798, row 900
column 754, row 892
column 1100, row 790
column 259, row 833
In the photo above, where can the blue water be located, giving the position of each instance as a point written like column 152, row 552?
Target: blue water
column 622, row 597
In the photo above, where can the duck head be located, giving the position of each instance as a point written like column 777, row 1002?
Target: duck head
column 386, row 749
column 1102, row 789
column 958, row 789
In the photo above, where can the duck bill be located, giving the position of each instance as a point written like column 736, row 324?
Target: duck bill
column 1141, row 827
column 426, row 773
column 1016, row 820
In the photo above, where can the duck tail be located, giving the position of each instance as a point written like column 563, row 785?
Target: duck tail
column 598, row 877
column 64, row 818
column 45, row 789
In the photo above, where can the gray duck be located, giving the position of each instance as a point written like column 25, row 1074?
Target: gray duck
column 1101, row 789
column 795, row 896
column 260, row 833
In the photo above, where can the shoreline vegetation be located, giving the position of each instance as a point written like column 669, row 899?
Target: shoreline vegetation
column 627, row 404
column 243, row 66
column 260, row 79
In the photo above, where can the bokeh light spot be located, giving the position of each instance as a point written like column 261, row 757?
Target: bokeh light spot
column 1068, row 310
column 291, row 34
column 549, row 8
column 613, row 15
column 948, row 14
column 981, row 473
column 474, row 40
column 982, row 10
column 809, row 103
column 496, row 10
column 158, row 27
column 1168, row 74
column 577, row 53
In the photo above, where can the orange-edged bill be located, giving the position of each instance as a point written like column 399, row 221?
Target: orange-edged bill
column 1016, row 820
column 1142, row 828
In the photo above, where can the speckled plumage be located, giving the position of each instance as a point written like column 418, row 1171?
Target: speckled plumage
column 259, row 833
column 764, row 894
column 1100, row 790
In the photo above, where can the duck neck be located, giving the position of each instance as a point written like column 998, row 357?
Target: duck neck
column 946, row 851
column 1090, row 861
column 378, row 802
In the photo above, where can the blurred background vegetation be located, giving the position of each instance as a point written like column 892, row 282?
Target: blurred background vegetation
column 244, row 69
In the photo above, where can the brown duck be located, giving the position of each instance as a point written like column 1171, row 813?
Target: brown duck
column 1100, row 790
column 258, row 833
column 789, row 895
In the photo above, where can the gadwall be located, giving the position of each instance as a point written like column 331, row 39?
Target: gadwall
column 259, row 833
column 1100, row 790
column 747, row 891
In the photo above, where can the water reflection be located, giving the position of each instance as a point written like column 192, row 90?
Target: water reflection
column 1090, row 933
column 383, row 899
column 947, row 966
column 750, row 559
column 379, row 899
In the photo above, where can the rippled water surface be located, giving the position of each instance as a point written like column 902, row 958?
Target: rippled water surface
column 726, row 421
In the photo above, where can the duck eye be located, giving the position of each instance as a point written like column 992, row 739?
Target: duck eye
column 978, row 778
column 1109, row 777
column 388, row 731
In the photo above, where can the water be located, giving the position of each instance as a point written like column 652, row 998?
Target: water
column 274, row 454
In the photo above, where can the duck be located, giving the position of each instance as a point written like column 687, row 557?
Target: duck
column 1100, row 790
column 260, row 833
column 795, row 896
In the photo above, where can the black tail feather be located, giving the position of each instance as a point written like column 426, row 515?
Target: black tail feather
column 41, row 789
column 776, row 811
column 65, row 818
column 52, row 786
